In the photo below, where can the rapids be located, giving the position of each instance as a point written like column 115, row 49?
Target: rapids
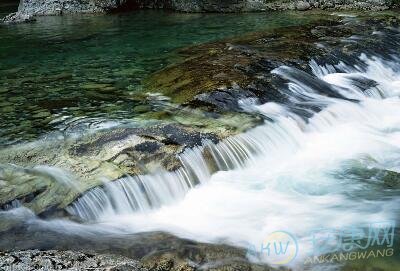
column 294, row 173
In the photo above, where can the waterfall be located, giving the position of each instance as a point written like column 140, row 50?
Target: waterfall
column 145, row 192
column 316, row 162
column 336, row 94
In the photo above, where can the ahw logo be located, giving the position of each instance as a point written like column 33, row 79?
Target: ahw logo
column 278, row 248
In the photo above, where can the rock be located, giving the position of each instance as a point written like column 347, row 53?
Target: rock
column 61, row 260
column 302, row 5
column 28, row 9
column 77, row 165
column 147, row 251
column 391, row 179
column 41, row 115
column 223, row 100
column 142, row 109
column 239, row 64
column 18, row 17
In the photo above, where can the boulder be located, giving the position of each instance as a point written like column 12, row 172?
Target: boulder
column 51, row 174
column 303, row 5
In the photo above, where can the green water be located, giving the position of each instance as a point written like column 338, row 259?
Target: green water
column 88, row 69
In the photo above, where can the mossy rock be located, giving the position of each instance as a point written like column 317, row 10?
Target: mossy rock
column 230, row 62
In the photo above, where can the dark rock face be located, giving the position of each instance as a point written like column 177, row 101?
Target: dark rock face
column 30, row 8
column 223, row 100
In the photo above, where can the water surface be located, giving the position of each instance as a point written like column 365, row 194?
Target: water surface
column 89, row 68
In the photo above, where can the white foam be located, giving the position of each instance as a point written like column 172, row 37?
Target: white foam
column 289, row 182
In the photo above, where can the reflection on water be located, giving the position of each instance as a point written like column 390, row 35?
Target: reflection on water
column 91, row 66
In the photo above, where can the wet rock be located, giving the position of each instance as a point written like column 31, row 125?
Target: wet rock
column 61, row 260
column 18, row 17
column 223, row 100
column 243, row 64
column 150, row 251
column 302, row 5
column 391, row 179
column 28, row 9
column 141, row 109
column 88, row 162
column 211, row 71
column 41, row 115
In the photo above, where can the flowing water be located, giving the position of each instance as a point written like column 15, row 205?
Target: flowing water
column 81, row 72
column 293, row 173
column 323, row 160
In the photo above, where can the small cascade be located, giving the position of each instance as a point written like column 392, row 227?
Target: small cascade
column 289, row 174
column 331, row 92
column 145, row 192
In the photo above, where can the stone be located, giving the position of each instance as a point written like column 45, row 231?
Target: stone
column 71, row 260
column 41, row 115
column 223, row 100
column 86, row 162
column 391, row 179
column 302, row 5
column 150, row 251
column 142, row 109
column 18, row 17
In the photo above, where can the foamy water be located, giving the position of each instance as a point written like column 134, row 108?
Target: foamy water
column 292, row 174
column 289, row 174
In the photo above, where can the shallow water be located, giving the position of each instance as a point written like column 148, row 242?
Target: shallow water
column 83, row 70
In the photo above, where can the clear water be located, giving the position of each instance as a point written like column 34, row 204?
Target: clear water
column 91, row 67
